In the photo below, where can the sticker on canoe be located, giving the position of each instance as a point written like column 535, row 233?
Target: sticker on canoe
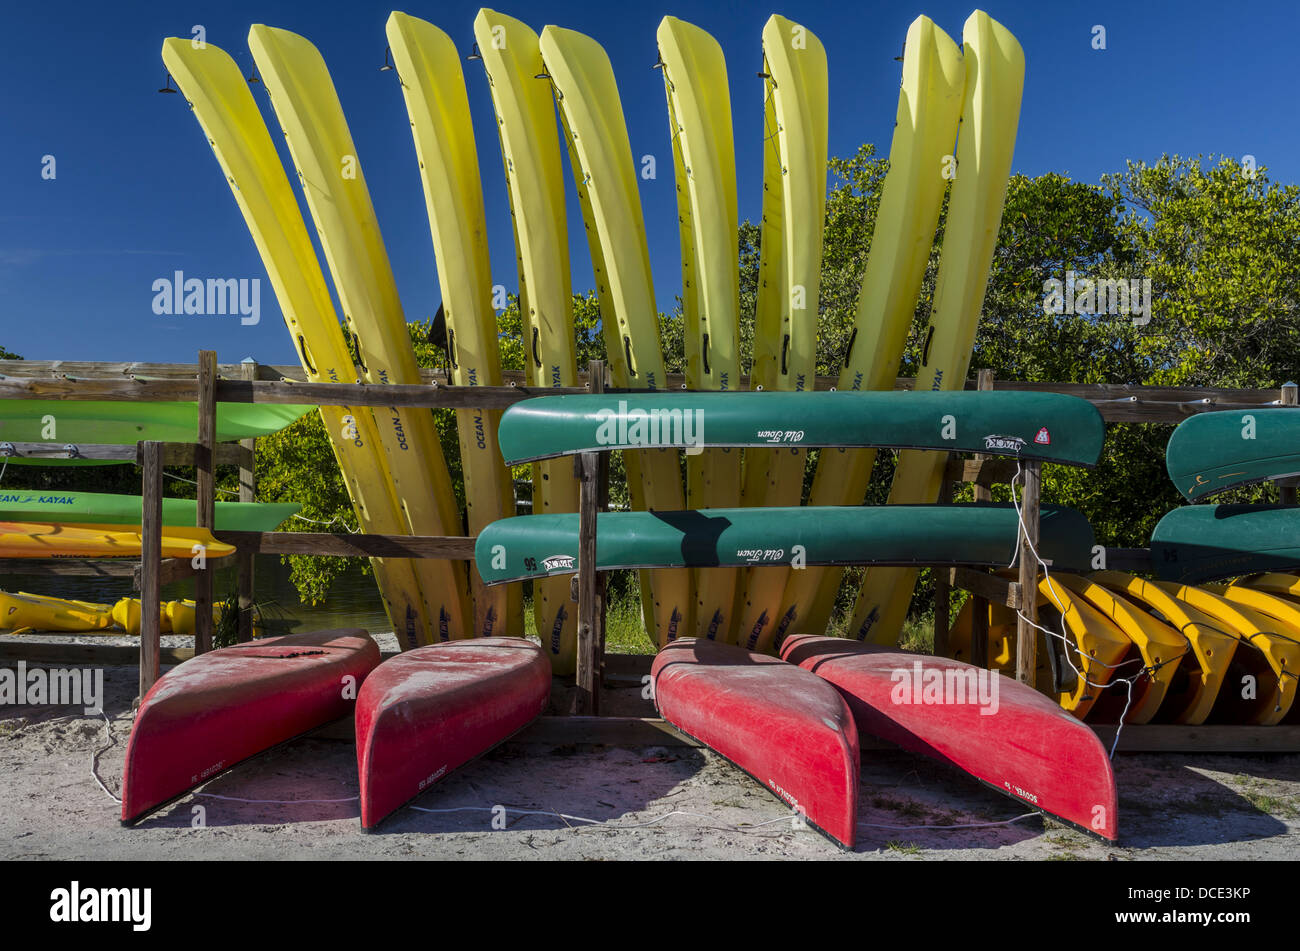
column 1006, row 444
column 1044, row 438
column 558, row 563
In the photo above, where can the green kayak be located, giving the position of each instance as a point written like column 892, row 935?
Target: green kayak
column 1046, row 427
column 534, row 546
column 1204, row 542
column 121, row 423
column 1211, row 452
column 102, row 508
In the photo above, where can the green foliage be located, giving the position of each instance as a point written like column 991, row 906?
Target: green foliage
column 1220, row 245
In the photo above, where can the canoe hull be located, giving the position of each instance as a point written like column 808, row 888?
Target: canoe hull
column 427, row 712
column 788, row 729
column 1016, row 740
column 225, row 706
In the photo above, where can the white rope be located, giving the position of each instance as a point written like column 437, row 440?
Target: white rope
column 605, row 825
column 962, row 825
column 336, row 518
column 273, row 802
column 94, row 757
column 1061, row 635
column 172, row 475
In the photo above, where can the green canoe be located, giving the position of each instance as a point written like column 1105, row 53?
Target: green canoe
column 102, row 508
column 1047, row 427
column 534, row 546
column 1211, row 452
column 121, row 423
column 1204, row 542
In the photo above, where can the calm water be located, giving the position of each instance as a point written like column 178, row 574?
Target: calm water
column 353, row 600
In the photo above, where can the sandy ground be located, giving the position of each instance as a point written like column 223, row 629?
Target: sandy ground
column 668, row 802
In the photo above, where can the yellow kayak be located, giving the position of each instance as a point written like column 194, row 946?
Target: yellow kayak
column 1161, row 647
column 1096, row 645
column 47, row 540
column 1264, row 685
column 174, row 617
column 40, row 613
column 1196, row 688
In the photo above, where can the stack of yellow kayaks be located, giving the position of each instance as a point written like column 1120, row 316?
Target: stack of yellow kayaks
column 1194, row 654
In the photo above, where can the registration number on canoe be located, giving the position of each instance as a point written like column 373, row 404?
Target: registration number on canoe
column 1022, row 793
column 432, row 779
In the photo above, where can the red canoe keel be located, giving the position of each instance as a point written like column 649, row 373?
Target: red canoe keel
column 428, row 711
column 1002, row 732
column 222, row 707
column 785, row 727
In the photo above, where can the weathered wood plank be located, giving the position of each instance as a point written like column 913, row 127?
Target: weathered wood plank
column 988, row 586
column 69, row 568
column 454, row 547
column 205, row 504
column 150, row 556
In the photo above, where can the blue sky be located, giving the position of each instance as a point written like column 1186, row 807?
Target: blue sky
column 138, row 193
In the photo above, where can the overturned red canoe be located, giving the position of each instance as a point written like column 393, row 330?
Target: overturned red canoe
column 428, row 711
column 785, row 727
column 1004, row 733
column 222, row 707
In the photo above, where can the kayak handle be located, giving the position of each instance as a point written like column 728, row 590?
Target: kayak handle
column 785, row 353
column 848, row 351
column 925, row 353
column 306, row 355
column 451, row 348
column 705, row 351
column 537, row 361
column 356, row 343
column 627, row 352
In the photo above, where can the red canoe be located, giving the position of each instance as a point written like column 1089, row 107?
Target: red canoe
column 1007, row 735
column 788, row 729
column 428, row 711
column 220, row 708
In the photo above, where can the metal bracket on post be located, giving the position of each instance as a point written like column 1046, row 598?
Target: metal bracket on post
column 587, row 698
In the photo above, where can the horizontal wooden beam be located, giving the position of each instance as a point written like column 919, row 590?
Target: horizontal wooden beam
column 432, row 396
column 1173, row 738
column 68, row 567
column 1118, row 403
column 456, row 548
column 169, row 570
column 982, row 471
column 174, row 454
column 988, row 586
column 92, row 655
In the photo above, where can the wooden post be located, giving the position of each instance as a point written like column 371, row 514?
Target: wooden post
column 1026, row 632
column 1286, row 488
column 247, row 493
column 150, row 563
column 596, row 377
column 979, row 629
column 587, row 698
column 206, row 507
column 942, row 584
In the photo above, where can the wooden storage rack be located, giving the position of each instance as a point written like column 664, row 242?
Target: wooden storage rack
column 208, row 383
